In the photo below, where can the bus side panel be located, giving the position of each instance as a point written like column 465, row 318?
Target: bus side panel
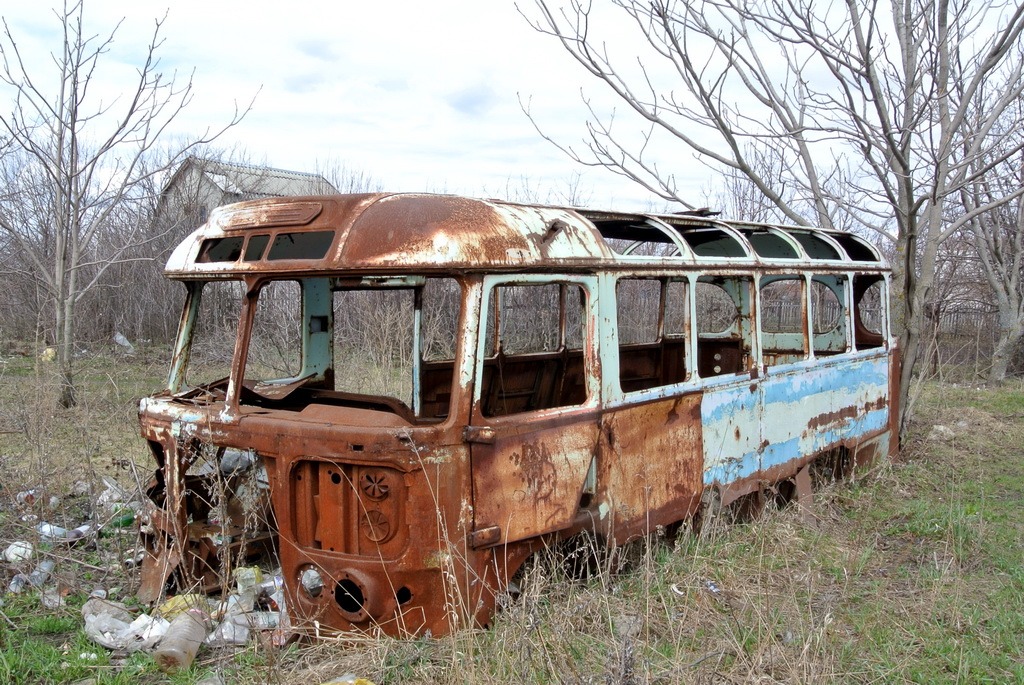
column 730, row 414
column 809, row 410
column 528, row 478
column 649, row 472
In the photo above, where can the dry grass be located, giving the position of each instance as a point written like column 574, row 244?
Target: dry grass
column 910, row 574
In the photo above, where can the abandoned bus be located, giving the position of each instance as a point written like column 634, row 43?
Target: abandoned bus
column 404, row 396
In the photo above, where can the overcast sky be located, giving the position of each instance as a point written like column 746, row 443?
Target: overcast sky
column 419, row 94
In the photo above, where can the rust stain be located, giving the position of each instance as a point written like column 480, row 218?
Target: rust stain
column 536, row 470
column 832, row 418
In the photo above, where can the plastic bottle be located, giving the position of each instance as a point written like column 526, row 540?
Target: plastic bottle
column 18, row 583
column 179, row 645
column 41, row 573
column 48, row 531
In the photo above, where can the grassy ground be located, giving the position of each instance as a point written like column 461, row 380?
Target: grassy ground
column 912, row 573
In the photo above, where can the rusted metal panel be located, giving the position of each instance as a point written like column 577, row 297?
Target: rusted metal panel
column 730, row 417
column 527, row 481
column 649, row 468
column 373, row 510
column 380, row 231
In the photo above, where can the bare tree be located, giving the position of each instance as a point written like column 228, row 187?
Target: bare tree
column 76, row 160
column 999, row 242
column 569, row 191
column 348, row 179
column 868, row 104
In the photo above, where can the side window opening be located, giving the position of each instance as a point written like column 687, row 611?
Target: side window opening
column 724, row 331
column 830, row 318
column 869, row 311
column 783, row 317
column 636, row 239
column 440, row 305
column 378, row 351
column 652, row 332
column 534, row 349
column 383, row 344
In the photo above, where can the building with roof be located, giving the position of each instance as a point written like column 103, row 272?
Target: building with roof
column 200, row 185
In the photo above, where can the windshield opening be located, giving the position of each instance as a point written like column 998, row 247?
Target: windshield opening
column 373, row 343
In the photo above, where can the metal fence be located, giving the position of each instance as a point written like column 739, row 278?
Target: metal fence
column 965, row 337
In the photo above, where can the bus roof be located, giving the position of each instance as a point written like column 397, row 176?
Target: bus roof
column 369, row 233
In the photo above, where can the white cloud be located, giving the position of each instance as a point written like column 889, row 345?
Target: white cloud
column 422, row 95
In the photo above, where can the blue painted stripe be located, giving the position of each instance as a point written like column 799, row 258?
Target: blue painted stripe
column 798, row 387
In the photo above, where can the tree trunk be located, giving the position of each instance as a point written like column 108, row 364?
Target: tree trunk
column 1009, row 338
column 66, row 352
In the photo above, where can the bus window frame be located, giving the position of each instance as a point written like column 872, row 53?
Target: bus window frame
column 591, row 348
column 614, row 385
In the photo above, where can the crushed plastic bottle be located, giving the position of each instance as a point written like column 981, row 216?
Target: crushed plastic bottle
column 41, row 573
column 48, row 531
column 51, row 533
column 18, row 583
column 178, row 648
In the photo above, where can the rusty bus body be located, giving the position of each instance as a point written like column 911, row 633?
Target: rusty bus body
column 557, row 371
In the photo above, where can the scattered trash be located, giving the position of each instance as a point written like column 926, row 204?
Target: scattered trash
column 179, row 604
column 96, row 606
column 122, row 341
column 123, row 518
column 265, row 620
column 51, row 598
column 26, row 497
column 234, row 627
column 51, row 533
column 272, row 585
column 940, row 433
column 105, row 622
column 41, row 573
column 712, row 587
column 173, row 631
column 247, row 577
column 348, row 679
column 114, row 496
column 147, row 631
column 18, row 552
column 111, row 625
column 133, row 560
column 179, row 645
